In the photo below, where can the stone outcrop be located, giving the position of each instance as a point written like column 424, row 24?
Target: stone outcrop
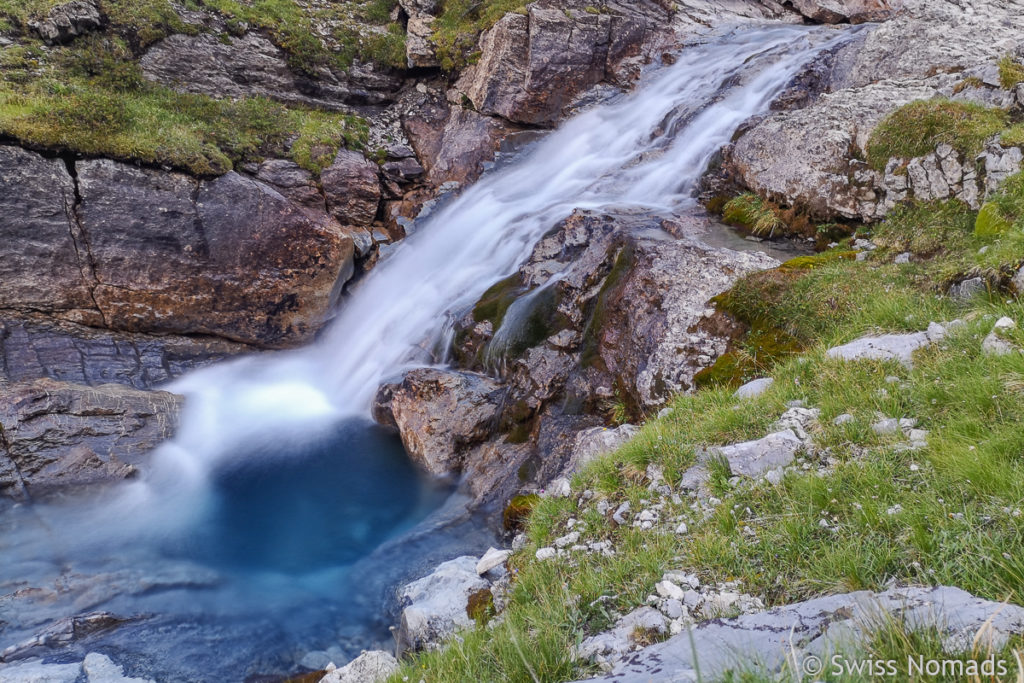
column 812, row 158
column 532, row 65
column 66, row 22
column 440, row 415
column 141, row 250
column 34, row 347
column 846, row 11
column 252, row 66
column 55, row 435
column 435, row 606
column 820, row 627
column 352, row 188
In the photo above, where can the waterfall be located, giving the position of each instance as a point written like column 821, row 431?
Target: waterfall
column 646, row 149
column 229, row 540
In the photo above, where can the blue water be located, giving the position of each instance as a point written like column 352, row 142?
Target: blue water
column 291, row 548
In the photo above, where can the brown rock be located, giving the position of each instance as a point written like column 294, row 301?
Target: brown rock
column 842, row 11
column 440, row 414
column 55, row 435
column 352, row 188
column 229, row 257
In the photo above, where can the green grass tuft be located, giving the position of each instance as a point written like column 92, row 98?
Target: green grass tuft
column 1011, row 72
column 916, row 129
column 751, row 212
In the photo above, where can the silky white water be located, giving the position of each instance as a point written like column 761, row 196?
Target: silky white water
column 260, row 530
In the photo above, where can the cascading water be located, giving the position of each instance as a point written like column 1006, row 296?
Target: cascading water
column 260, row 532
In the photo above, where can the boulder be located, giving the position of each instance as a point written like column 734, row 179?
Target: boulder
column 352, row 188
column 66, row 22
column 898, row 347
column 592, row 443
column 440, row 414
column 754, row 388
column 435, row 606
column 996, row 343
column 294, row 182
column 229, row 257
column 532, row 65
column 819, row 627
column 369, row 667
column 55, row 435
column 843, row 11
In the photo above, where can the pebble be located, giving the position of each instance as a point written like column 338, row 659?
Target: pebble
column 845, row 418
column 620, row 513
column 545, row 553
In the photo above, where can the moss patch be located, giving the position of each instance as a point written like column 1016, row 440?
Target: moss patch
column 916, row 129
column 518, row 511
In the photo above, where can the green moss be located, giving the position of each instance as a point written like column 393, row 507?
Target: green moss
column 590, row 349
column 751, row 212
column 494, row 303
column 991, row 222
column 480, row 605
column 537, row 317
column 460, row 23
column 518, row 511
column 916, row 129
column 1011, row 72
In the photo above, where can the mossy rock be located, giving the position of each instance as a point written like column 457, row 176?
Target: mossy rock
column 991, row 222
column 518, row 511
column 494, row 303
column 480, row 606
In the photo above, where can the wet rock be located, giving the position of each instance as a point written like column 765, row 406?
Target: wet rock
column 61, row 634
column 532, row 65
column 435, row 606
column 36, row 347
column 35, row 671
column 819, row 627
column 440, row 415
column 99, row 669
column 754, row 388
column 229, row 257
column 352, row 188
column 55, row 435
column 369, row 667
column 66, row 22
column 251, row 65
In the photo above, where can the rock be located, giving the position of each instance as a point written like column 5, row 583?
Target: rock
column 968, row 289
column 592, row 443
column 843, row 419
column 36, row 347
column 55, row 435
column 435, row 606
column 99, row 669
column 40, row 263
column 491, row 559
column 532, row 65
column 995, row 344
column 754, row 458
column 62, row 633
column 352, row 188
column 754, row 388
column 440, row 414
column 842, row 11
column 545, row 553
column 611, row 645
column 1018, row 282
column 419, row 48
column 229, row 257
column 34, row 671
column 369, row 667
column 294, row 182
column 66, row 22
column 667, row 589
column 252, row 66
column 818, row 627
column 886, row 427
column 803, row 157
column 898, row 347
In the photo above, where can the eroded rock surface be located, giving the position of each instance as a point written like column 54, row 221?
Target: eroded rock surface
column 436, row 605
column 55, row 435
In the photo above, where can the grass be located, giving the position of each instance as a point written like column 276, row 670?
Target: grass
column 460, row 23
column 90, row 98
column 1011, row 72
column 947, row 514
column 916, row 129
column 751, row 212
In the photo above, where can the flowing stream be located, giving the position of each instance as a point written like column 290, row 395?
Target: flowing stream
column 280, row 517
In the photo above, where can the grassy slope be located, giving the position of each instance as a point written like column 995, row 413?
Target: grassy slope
column 960, row 518
column 89, row 97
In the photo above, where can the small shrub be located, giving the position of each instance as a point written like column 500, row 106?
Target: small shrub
column 916, row 129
